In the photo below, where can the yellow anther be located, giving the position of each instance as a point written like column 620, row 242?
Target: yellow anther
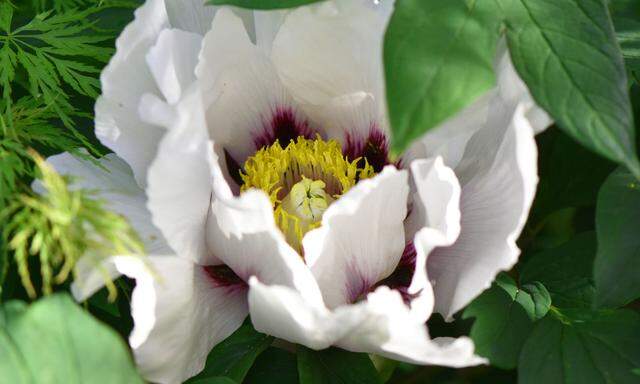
column 302, row 180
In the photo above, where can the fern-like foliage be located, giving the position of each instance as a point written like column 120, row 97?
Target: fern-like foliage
column 27, row 124
column 61, row 226
column 57, row 52
column 67, row 5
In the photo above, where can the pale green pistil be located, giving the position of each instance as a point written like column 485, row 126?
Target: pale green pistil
column 307, row 200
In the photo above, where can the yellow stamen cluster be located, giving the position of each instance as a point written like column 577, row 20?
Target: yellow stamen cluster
column 301, row 180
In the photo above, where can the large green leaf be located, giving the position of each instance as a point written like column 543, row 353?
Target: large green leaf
column 438, row 58
column 566, row 52
column 570, row 174
column 617, row 264
column 273, row 366
column 627, row 24
column 582, row 347
column 214, row 380
column 234, row 356
column 263, row 4
column 54, row 341
column 335, row 365
column 505, row 315
column 566, row 271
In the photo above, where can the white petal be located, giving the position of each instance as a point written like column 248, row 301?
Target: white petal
column 450, row 138
column 354, row 114
column 113, row 183
column 267, row 25
column 361, row 238
column 89, row 276
column 241, row 231
column 331, row 50
column 390, row 330
column 381, row 325
column 241, row 88
column 179, row 315
column 284, row 313
column 514, row 91
column 124, row 81
column 172, row 61
column 434, row 221
column 180, row 181
column 498, row 175
column 190, row 15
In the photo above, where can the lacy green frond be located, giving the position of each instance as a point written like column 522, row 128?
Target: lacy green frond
column 58, row 53
column 61, row 226
column 67, row 5
column 27, row 124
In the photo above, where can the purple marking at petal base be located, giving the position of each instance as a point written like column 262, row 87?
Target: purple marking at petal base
column 374, row 147
column 358, row 287
column 221, row 276
column 400, row 279
column 283, row 126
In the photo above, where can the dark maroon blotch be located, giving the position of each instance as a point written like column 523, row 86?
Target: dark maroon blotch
column 374, row 147
column 223, row 276
column 284, row 127
column 400, row 279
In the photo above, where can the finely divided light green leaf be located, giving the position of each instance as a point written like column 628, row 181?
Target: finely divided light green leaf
column 56, row 51
column 438, row 58
column 6, row 15
column 617, row 264
column 566, row 52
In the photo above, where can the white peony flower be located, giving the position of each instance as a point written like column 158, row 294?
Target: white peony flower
column 261, row 183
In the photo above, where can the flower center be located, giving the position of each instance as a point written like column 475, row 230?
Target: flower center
column 302, row 180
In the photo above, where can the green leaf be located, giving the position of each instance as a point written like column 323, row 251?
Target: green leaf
column 574, row 69
column 504, row 317
column 4, row 263
column 566, row 271
column 263, row 4
column 335, row 365
column 215, row 380
column 6, row 15
column 57, row 51
column 626, row 18
column 273, row 366
column 234, row 356
column 582, row 347
column 566, row 183
column 438, row 58
column 617, row 264
column 54, row 341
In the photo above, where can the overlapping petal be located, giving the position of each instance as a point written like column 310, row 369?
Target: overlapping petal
column 180, row 313
column 181, row 181
column 490, row 145
column 361, row 238
column 242, row 90
column 330, row 58
column 434, row 221
column 151, row 61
